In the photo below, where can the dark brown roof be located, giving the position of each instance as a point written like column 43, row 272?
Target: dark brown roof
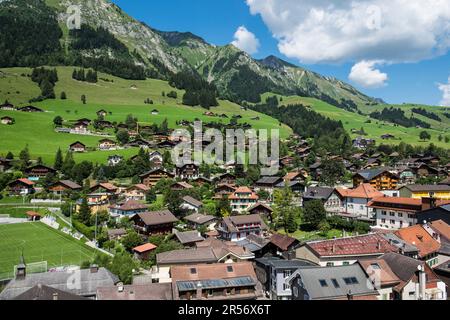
column 184, row 256
column 233, row 221
column 430, row 187
column 192, row 201
column 150, row 291
column 70, row 184
column 42, row 292
column 131, row 205
column 199, row 218
column 157, row 217
column 282, row 241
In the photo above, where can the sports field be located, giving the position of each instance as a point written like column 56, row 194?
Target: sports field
column 39, row 243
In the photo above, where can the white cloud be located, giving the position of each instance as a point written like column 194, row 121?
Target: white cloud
column 445, row 88
column 366, row 75
column 245, row 40
column 330, row 31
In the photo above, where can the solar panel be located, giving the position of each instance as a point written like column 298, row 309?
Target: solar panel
column 215, row 283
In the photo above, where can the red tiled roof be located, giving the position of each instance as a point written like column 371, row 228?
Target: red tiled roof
column 33, row 214
column 145, row 247
column 398, row 204
column 359, row 245
column 131, row 205
column 282, row 241
column 26, row 181
column 442, row 228
column 420, row 238
column 140, row 186
column 212, row 271
column 365, row 191
column 243, row 190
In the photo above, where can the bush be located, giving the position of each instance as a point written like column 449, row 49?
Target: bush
column 89, row 232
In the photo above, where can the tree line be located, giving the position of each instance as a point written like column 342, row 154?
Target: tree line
column 329, row 135
column 397, row 116
column 82, row 75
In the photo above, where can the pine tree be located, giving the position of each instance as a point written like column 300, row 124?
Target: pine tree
column 84, row 214
column 10, row 155
column 24, row 157
column 68, row 164
column 58, row 160
column 47, row 89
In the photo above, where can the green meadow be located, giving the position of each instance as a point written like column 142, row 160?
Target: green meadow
column 117, row 96
column 376, row 128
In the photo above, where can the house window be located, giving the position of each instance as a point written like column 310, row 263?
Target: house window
column 392, row 221
column 392, row 214
column 229, row 268
column 383, row 213
column 330, row 264
column 383, row 220
column 287, row 273
column 335, row 283
column 350, row 280
column 375, row 266
column 193, row 271
column 323, row 283
column 400, row 215
column 286, row 287
column 345, row 263
column 410, row 216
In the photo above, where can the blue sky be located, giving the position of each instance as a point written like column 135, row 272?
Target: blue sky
column 217, row 21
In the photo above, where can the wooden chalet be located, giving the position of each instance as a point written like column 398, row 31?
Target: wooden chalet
column 151, row 178
column 107, row 144
column 155, row 222
column 379, row 178
column 180, row 186
column 5, row 164
column 7, row 106
column 21, row 187
column 223, row 191
column 104, row 188
column 102, row 113
column 64, row 186
column 39, row 171
column 30, row 109
column 143, row 252
column 261, row 209
column 189, row 171
column 77, row 147
column 226, row 178
column 7, row 120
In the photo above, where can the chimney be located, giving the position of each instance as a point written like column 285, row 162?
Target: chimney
column 379, row 245
column 21, row 269
column 94, row 268
column 422, row 276
column 55, row 296
column 350, row 295
column 428, row 203
column 333, row 248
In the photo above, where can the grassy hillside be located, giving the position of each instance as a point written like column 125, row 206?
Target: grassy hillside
column 118, row 96
column 376, row 128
